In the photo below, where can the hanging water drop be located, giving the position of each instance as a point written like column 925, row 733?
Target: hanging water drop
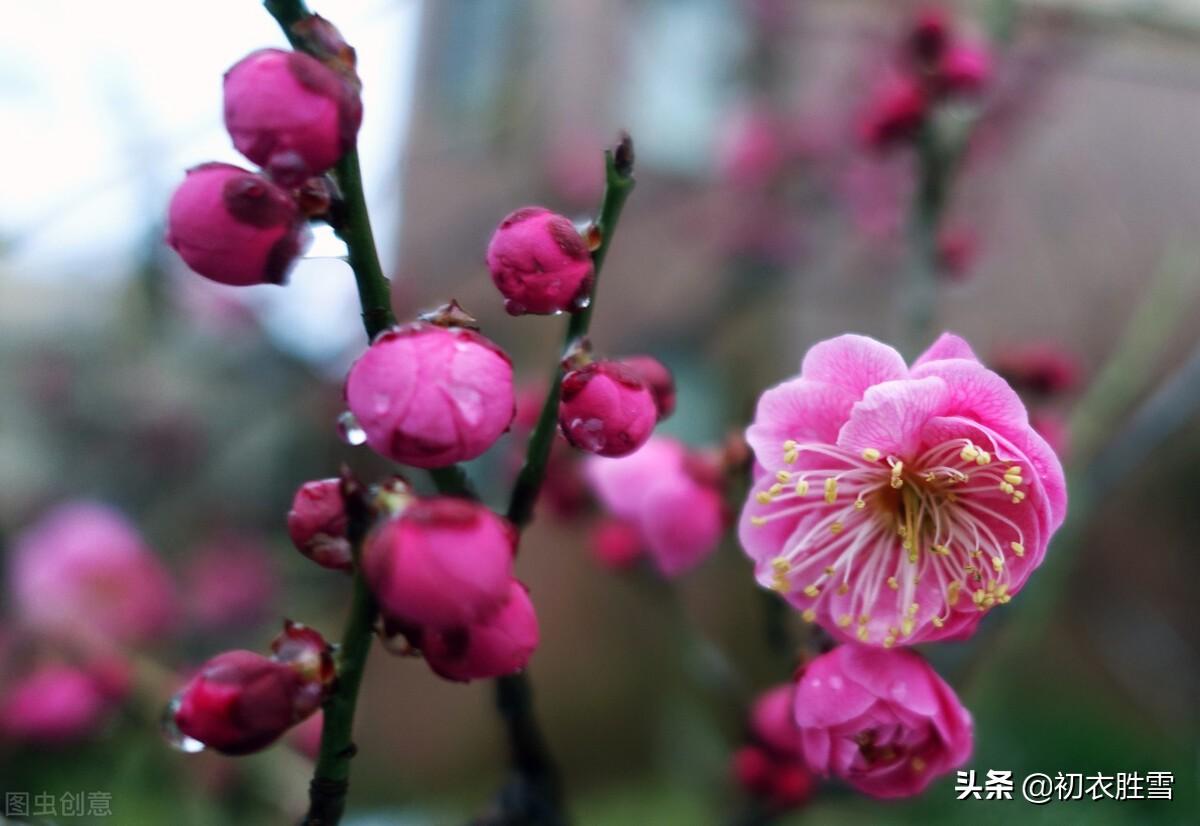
column 349, row 430
column 175, row 738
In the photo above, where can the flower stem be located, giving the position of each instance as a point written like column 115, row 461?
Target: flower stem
column 619, row 182
column 534, row 794
column 331, row 777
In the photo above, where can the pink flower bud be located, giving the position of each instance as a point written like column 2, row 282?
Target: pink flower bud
column 1041, row 368
column 430, row 396
column 53, row 705
column 290, row 114
column 441, row 563
column 773, row 723
column 606, row 409
column 317, row 524
column 616, row 543
column 964, row 69
column 83, row 571
column 753, row 769
column 499, row 645
column 791, row 785
column 929, row 35
column 241, row 702
column 658, row 378
column 540, row 263
column 880, row 719
column 234, row 227
column 895, row 113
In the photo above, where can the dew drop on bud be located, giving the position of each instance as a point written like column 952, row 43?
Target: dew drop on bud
column 349, row 430
column 175, row 738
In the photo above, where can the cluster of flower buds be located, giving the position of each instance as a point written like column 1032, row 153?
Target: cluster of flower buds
column 935, row 63
column 441, row 570
column 241, row 702
column 664, row 500
column 294, row 116
column 771, row 765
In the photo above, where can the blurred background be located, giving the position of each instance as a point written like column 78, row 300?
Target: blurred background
column 765, row 219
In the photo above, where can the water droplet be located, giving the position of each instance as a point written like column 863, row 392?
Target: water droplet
column 175, row 738
column 349, row 430
column 583, row 302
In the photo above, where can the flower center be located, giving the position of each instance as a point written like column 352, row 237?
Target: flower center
column 870, row 524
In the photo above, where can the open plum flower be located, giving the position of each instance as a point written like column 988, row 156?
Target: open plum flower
column 896, row 504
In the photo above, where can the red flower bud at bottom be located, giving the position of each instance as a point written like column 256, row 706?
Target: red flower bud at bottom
column 606, row 409
column 616, row 543
column 241, row 702
column 498, row 646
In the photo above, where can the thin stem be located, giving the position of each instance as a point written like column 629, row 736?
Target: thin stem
column 920, row 292
column 354, row 228
column 534, row 794
column 619, row 182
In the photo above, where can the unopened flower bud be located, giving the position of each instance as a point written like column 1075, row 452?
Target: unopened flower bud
column 430, row 396
column 540, row 263
column 317, row 524
column 895, row 113
column 964, row 68
column 606, row 409
column 616, row 543
column 290, row 114
column 929, row 36
column 658, row 378
column 241, row 702
column 497, row 646
column 234, row 226
column 442, row 563
column 772, row 721
column 54, row 704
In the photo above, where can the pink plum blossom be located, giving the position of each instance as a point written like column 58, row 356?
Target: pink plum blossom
column 496, row 646
column 290, row 114
column 83, row 571
column 539, row 263
column 882, row 721
column 441, row 563
column 606, row 409
column 235, row 227
column 430, row 396
column 317, row 524
column 55, row 703
column 898, row 504
column 677, row 509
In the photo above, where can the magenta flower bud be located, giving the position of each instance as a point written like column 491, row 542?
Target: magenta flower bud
column 290, row 114
column 235, row 227
column 773, row 724
column 965, row 69
column 441, row 563
column 606, row 409
column 616, row 543
column 54, row 704
column 499, row 645
column 658, row 378
column 229, row 582
column 317, row 524
column 881, row 720
column 241, row 702
column 540, row 263
column 430, row 396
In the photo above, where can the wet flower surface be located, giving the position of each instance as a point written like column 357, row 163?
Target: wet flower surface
column 898, row 505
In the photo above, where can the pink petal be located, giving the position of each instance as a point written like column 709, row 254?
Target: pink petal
column 824, row 697
column 977, row 393
column 799, row 409
column 900, row 677
column 947, row 346
column 892, row 415
column 853, row 363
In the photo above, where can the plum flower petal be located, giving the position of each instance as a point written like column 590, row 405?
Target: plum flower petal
column 932, row 504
